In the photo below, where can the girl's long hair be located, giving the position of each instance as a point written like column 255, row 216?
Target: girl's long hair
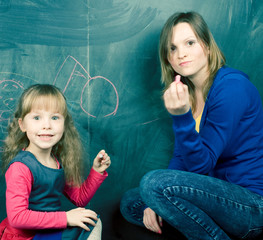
column 216, row 58
column 68, row 150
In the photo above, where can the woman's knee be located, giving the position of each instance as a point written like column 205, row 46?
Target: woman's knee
column 151, row 182
column 156, row 181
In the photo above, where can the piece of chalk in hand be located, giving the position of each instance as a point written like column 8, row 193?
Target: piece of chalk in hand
column 177, row 78
column 100, row 155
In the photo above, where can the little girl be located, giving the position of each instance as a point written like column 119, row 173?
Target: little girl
column 42, row 159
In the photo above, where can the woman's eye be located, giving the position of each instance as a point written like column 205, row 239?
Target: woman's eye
column 173, row 48
column 190, row 43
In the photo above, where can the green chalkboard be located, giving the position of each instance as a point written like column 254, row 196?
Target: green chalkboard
column 103, row 54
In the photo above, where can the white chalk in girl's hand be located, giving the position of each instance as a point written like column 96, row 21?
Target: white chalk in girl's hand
column 100, row 155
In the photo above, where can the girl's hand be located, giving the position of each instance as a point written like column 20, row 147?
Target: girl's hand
column 101, row 162
column 79, row 216
column 176, row 97
column 152, row 221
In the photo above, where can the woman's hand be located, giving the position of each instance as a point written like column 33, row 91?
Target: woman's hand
column 101, row 162
column 152, row 221
column 79, row 216
column 176, row 97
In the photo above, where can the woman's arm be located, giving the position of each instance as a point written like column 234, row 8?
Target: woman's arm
column 176, row 161
column 223, row 113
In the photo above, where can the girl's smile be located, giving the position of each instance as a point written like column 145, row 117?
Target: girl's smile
column 46, row 137
column 44, row 128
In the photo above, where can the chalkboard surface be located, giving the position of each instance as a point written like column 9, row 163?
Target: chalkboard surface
column 104, row 56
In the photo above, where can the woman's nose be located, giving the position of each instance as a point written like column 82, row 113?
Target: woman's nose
column 181, row 53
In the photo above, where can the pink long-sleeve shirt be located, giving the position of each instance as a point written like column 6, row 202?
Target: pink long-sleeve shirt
column 19, row 181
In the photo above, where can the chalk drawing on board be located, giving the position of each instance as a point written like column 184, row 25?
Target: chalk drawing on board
column 10, row 90
column 97, row 96
column 79, row 87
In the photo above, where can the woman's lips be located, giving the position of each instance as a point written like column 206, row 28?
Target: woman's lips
column 186, row 63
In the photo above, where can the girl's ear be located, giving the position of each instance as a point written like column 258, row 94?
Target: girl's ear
column 20, row 123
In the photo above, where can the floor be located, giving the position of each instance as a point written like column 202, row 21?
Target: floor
column 123, row 230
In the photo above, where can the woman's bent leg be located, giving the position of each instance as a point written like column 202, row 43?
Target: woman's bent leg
column 132, row 207
column 202, row 207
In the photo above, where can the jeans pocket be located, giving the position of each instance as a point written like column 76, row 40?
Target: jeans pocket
column 255, row 234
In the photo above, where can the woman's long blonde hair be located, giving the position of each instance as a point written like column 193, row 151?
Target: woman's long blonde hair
column 68, row 150
column 216, row 58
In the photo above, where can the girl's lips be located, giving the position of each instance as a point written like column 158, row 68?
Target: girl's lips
column 45, row 137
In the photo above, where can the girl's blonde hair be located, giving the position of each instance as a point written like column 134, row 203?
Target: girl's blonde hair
column 68, row 150
column 216, row 58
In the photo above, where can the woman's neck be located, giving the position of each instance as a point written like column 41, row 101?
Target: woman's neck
column 199, row 103
column 199, row 79
column 199, row 82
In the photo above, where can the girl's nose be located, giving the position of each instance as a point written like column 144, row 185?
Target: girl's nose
column 46, row 124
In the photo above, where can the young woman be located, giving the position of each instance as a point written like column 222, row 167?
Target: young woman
column 42, row 158
column 213, row 186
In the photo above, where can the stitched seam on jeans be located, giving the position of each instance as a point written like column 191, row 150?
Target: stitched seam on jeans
column 210, row 194
column 211, row 232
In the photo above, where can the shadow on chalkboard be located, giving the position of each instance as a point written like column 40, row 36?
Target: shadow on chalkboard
column 4, row 5
column 124, row 230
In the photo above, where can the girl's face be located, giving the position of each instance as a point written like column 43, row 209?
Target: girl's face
column 44, row 128
column 186, row 55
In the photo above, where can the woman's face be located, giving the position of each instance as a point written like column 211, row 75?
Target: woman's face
column 187, row 56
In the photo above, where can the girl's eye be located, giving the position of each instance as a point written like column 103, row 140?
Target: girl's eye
column 55, row 118
column 36, row 118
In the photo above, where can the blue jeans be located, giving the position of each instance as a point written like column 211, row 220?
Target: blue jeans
column 200, row 207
